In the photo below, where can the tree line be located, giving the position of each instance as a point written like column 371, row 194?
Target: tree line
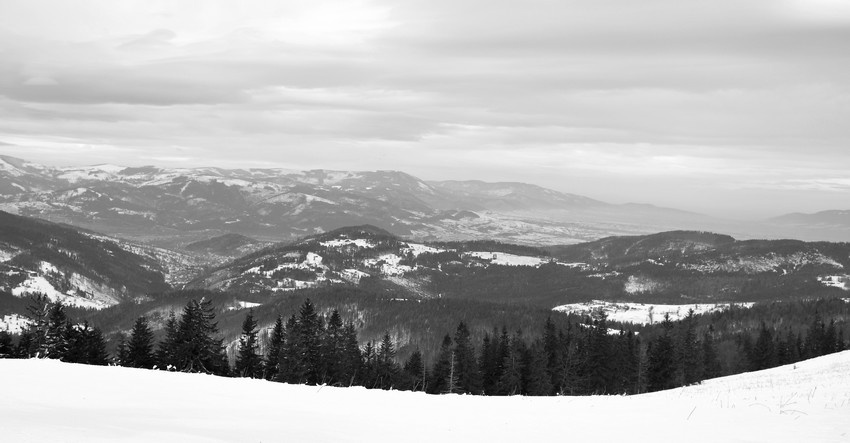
column 580, row 358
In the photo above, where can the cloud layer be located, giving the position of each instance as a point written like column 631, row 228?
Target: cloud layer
column 737, row 108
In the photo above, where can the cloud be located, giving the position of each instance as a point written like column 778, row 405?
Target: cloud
column 610, row 91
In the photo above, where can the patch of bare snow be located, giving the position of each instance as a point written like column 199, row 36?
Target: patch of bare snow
column 7, row 254
column 836, row 281
column 359, row 242
column 505, row 259
column 388, row 264
column 38, row 284
column 14, row 323
column 643, row 313
column 353, row 275
column 640, row 284
column 416, row 249
column 242, row 305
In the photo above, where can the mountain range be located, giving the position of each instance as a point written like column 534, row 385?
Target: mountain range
column 182, row 206
column 396, row 252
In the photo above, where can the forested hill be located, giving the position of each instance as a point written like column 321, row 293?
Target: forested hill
column 81, row 269
column 671, row 267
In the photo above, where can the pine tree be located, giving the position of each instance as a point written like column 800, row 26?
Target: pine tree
column 271, row 364
column 763, row 353
column 198, row 349
column 690, row 367
column 32, row 341
column 539, row 382
column 468, row 374
column 554, row 357
column 248, row 362
column 414, row 372
column 387, row 369
column 332, row 350
column 140, row 347
column 6, row 349
column 370, row 366
column 291, row 364
column 120, row 358
column 442, row 371
column 598, row 370
column 510, row 383
column 85, row 345
column 166, row 354
column 309, row 333
column 711, row 361
column 352, row 359
column 56, row 332
column 661, row 370
column 489, row 364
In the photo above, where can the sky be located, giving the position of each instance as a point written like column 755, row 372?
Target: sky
column 734, row 108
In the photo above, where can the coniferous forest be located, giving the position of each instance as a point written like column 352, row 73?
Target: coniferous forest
column 572, row 358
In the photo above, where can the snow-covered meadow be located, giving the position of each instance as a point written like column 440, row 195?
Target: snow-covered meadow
column 49, row 401
column 643, row 313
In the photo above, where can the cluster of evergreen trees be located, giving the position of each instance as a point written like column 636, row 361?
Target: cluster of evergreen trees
column 309, row 348
column 52, row 334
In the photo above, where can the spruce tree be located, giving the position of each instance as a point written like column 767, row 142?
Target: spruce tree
column 198, row 349
column 370, row 366
column 763, row 353
column 291, row 367
column 167, row 352
column 468, row 374
column 690, row 367
column 248, row 362
column 56, row 332
column 271, row 364
column 510, row 383
column 309, row 333
column 332, row 350
column 387, row 369
column 554, row 356
column 352, row 358
column 120, row 358
column 6, row 349
column 662, row 364
column 711, row 361
column 32, row 341
column 598, row 371
column 539, row 381
column 414, row 372
column 442, row 371
column 140, row 347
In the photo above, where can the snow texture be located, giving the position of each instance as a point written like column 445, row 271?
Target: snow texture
column 242, row 305
column 805, row 402
column 505, row 259
column 14, row 323
column 338, row 243
column 836, row 281
column 642, row 313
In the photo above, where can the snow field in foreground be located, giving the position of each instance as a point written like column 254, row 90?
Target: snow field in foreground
column 50, row 401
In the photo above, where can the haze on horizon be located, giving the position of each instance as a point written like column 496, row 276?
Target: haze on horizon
column 737, row 109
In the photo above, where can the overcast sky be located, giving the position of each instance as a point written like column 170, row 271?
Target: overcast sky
column 737, row 108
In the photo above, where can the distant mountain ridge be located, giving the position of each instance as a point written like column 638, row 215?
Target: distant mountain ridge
column 671, row 266
column 278, row 204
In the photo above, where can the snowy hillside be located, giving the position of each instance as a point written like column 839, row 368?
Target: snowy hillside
column 809, row 401
column 643, row 313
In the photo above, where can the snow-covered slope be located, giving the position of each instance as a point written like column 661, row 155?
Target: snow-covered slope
column 643, row 313
column 806, row 402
